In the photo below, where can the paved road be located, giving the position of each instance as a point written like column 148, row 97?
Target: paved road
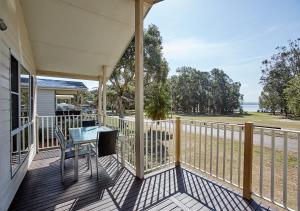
column 279, row 141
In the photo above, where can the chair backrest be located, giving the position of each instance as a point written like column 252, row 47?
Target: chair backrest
column 61, row 138
column 88, row 123
column 107, row 141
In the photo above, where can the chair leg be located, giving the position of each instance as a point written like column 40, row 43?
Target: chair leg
column 62, row 165
column 96, row 158
column 118, row 160
column 90, row 164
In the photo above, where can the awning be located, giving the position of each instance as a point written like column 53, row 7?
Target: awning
column 76, row 38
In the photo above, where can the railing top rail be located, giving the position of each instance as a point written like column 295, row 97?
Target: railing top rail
column 277, row 129
column 67, row 115
column 213, row 122
column 162, row 120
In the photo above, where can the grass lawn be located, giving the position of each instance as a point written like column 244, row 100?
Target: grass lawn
column 263, row 119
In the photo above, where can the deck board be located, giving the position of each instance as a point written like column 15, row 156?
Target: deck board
column 118, row 189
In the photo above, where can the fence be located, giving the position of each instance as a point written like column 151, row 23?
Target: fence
column 46, row 126
column 213, row 148
column 259, row 160
column 276, row 166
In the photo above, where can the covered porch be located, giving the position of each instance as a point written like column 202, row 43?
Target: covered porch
column 171, row 188
column 170, row 164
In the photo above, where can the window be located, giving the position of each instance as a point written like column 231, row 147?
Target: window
column 21, row 95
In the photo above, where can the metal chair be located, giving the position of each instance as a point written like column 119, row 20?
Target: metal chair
column 88, row 123
column 106, row 145
column 67, row 152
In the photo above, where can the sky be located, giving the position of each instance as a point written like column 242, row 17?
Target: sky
column 233, row 35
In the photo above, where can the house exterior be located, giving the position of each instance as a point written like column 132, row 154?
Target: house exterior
column 74, row 39
column 84, row 39
column 49, row 91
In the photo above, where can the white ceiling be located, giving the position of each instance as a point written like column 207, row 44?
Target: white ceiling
column 78, row 37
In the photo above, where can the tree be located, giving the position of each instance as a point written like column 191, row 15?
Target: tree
column 292, row 94
column 204, row 92
column 276, row 74
column 158, row 103
column 155, row 68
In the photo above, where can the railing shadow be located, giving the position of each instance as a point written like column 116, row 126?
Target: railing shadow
column 118, row 188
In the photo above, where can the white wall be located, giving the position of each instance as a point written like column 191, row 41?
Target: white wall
column 14, row 39
column 46, row 102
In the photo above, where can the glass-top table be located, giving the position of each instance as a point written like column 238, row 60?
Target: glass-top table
column 88, row 135
column 84, row 135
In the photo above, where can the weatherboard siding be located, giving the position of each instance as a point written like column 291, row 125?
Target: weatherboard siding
column 12, row 41
column 46, row 102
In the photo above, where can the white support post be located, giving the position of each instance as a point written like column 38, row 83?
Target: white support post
column 139, row 88
column 100, row 100
column 104, row 93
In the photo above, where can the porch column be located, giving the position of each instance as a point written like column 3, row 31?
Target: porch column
column 100, row 100
column 104, row 93
column 139, row 88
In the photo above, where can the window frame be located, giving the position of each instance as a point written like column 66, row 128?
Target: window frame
column 21, row 128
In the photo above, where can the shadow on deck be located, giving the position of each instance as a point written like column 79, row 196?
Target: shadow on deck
column 118, row 189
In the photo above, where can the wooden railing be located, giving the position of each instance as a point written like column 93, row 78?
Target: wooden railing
column 159, row 144
column 213, row 148
column 263, row 162
column 277, row 153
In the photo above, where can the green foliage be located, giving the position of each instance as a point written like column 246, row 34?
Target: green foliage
column 276, row 74
column 194, row 91
column 158, row 103
column 292, row 93
column 121, row 92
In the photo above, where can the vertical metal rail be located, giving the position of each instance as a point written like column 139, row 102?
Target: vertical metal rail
column 285, row 163
column 160, row 142
column 47, row 134
column 151, row 144
column 205, row 143
column 156, row 148
column 273, row 166
column 239, row 156
column 165, row 141
column 218, row 143
column 211, row 146
column 195, row 142
column 261, row 165
column 224, row 152
column 146, row 142
column 200, row 138
column 185, row 141
column 52, row 134
column 231, row 152
column 190, row 145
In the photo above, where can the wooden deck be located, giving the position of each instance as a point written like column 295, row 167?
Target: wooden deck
column 168, row 189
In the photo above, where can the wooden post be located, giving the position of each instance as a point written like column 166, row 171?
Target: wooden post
column 104, row 93
column 177, row 141
column 99, row 100
column 248, row 154
column 139, row 88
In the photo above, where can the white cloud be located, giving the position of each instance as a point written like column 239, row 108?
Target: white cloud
column 189, row 48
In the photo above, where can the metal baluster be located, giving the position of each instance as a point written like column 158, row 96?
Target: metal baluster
column 261, row 171
column 231, row 152
column 224, row 152
column 273, row 166
column 285, row 163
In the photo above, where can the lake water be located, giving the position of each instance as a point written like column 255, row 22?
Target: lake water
column 250, row 107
